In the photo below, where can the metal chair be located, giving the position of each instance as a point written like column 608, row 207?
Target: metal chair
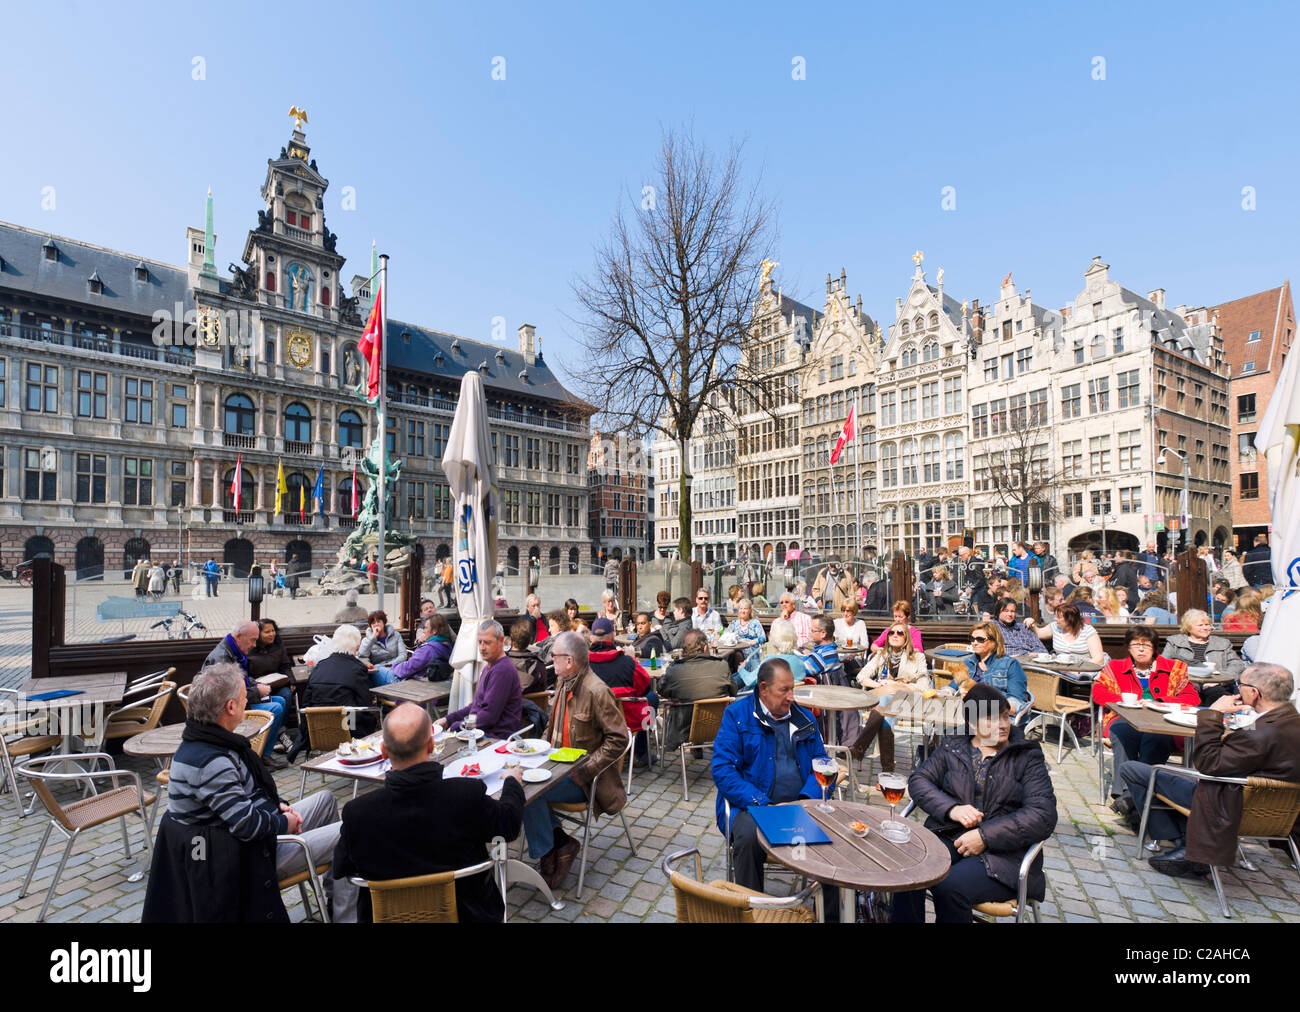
column 183, row 694
column 1048, row 704
column 16, row 741
column 310, row 874
column 706, row 718
column 1268, row 812
column 1015, row 908
column 140, row 716
column 582, row 813
column 152, row 680
column 424, row 899
column 725, row 902
column 87, row 813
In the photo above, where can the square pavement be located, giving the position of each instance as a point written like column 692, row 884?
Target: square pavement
column 1093, row 874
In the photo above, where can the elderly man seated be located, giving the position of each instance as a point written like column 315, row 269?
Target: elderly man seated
column 351, row 611
column 801, row 621
column 698, row 675
column 763, row 755
column 417, row 823
column 497, row 705
column 233, row 649
column 584, row 714
column 222, row 794
column 1269, row 748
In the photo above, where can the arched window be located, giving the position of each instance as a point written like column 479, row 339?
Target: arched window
column 512, row 561
column 298, row 501
column 909, row 356
column 954, row 456
column 1099, row 346
column 907, row 451
column 919, row 324
column 40, row 547
column 133, row 551
column 239, row 415
column 906, row 328
column 931, row 351
column 934, row 319
column 573, row 561
column 297, row 423
column 888, row 465
column 238, row 552
column 343, row 505
column 247, row 491
column 325, row 295
column 90, row 559
column 350, row 429
column 930, row 458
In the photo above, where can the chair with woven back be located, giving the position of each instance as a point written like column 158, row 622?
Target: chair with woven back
column 723, row 902
column 327, row 729
column 1048, row 704
column 706, row 718
column 141, row 715
column 583, row 813
column 20, row 739
column 183, row 694
column 74, row 818
column 1269, row 809
column 422, row 899
column 264, row 717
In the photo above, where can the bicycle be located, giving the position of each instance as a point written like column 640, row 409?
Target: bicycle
column 192, row 625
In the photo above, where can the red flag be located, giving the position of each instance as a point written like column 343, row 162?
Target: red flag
column 237, row 486
column 371, row 345
column 845, row 436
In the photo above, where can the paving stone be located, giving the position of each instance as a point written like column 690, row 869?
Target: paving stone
column 637, row 907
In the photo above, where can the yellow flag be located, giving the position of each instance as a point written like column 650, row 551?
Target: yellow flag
column 281, row 489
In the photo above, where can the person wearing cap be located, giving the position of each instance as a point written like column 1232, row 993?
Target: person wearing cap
column 623, row 674
column 833, row 586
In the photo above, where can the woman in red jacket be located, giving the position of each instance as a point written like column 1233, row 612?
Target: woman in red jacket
column 1148, row 676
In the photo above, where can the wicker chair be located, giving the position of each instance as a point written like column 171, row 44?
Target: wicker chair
column 1044, row 686
column 706, row 718
column 422, row 899
column 1015, row 908
column 327, row 729
column 143, row 715
column 725, row 902
column 264, row 717
column 311, row 874
column 17, row 742
column 72, row 819
column 1268, row 812
column 183, row 694
column 583, row 813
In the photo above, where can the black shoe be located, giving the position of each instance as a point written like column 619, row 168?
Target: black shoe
column 274, row 762
column 1122, row 806
column 1175, row 863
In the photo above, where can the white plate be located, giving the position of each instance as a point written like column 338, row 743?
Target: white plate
column 1128, row 706
column 1152, row 704
column 537, row 776
column 529, row 746
column 1183, row 718
column 474, row 735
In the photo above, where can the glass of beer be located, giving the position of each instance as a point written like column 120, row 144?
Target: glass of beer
column 826, row 771
column 894, row 788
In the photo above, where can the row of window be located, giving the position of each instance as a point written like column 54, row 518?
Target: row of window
column 913, row 461
column 618, row 527
column 521, row 506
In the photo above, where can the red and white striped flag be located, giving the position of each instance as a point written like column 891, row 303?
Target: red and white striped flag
column 237, row 486
column 845, row 436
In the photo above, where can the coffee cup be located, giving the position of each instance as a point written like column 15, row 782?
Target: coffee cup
column 1130, row 698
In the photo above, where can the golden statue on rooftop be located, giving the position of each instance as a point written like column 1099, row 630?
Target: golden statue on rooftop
column 767, row 267
column 299, row 115
column 917, row 257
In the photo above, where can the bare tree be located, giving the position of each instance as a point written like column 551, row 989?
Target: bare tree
column 1021, row 468
column 670, row 298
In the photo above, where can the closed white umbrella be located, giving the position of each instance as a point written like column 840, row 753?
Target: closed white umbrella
column 472, row 477
column 1279, row 440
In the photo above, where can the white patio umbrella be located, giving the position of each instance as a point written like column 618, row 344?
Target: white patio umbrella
column 472, row 477
column 1279, row 440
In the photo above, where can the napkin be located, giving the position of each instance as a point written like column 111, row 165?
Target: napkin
column 471, row 770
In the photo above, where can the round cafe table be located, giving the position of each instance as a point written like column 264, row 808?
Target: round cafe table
column 869, row 864
column 162, row 742
column 834, row 697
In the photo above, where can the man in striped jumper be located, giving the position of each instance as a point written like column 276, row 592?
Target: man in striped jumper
column 217, row 780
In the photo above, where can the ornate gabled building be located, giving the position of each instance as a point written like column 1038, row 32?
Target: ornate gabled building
column 839, row 375
column 921, row 422
column 132, row 389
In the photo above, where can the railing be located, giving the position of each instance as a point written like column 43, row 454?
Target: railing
column 447, row 406
column 298, row 520
column 103, row 345
column 242, row 517
column 237, row 441
column 347, row 523
column 297, row 233
column 297, row 446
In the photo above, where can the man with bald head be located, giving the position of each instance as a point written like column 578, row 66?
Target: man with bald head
column 233, row 649
column 418, row 823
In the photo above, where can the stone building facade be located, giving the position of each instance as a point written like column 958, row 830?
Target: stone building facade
column 619, row 499
column 133, row 391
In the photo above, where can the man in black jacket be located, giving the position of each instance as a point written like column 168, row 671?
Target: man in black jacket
column 419, row 823
column 1125, row 575
column 1257, row 564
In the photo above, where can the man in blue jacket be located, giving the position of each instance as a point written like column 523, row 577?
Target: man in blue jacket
column 763, row 755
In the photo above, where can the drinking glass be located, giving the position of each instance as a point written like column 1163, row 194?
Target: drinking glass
column 826, row 771
column 894, row 788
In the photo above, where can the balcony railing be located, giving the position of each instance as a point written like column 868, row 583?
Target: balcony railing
column 298, row 520
column 239, row 442
column 347, row 523
column 297, row 233
column 101, row 344
column 242, row 517
column 297, row 446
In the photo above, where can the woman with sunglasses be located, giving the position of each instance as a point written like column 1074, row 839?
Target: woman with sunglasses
column 1147, row 676
column 990, row 664
column 899, row 667
column 902, row 616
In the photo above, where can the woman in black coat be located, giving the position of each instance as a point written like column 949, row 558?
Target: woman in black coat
column 989, row 798
column 941, row 592
column 341, row 679
column 269, row 657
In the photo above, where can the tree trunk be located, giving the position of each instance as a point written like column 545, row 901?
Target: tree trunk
column 684, row 503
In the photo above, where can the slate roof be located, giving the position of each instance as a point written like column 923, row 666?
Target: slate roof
column 67, row 278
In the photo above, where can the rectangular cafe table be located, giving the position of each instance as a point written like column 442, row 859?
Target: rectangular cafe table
column 102, row 692
column 1153, row 722
column 413, row 690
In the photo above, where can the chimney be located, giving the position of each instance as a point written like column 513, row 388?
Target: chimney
column 976, row 320
column 828, row 282
column 528, row 343
column 1158, row 297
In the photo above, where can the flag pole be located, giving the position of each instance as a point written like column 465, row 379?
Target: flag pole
column 858, row 422
column 383, row 424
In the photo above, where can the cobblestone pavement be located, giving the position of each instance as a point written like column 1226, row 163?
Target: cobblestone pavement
column 1092, row 872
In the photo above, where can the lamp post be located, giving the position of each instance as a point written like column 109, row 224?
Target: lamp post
column 1104, row 519
column 1186, row 505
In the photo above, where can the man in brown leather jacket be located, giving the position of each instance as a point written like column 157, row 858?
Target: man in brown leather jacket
column 1269, row 748
column 584, row 714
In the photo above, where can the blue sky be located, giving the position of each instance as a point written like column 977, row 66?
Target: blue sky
column 489, row 195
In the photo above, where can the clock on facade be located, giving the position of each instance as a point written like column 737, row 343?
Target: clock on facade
column 299, row 347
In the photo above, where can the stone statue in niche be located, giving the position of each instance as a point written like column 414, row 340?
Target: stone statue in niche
column 301, row 282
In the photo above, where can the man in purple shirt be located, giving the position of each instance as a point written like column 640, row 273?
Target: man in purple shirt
column 498, row 702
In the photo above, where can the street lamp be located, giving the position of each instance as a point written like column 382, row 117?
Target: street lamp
column 1186, row 503
column 1104, row 519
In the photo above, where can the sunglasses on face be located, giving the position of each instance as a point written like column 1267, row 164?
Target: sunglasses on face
column 979, row 639
column 897, row 632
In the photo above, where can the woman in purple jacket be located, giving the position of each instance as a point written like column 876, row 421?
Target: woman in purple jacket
column 431, row 658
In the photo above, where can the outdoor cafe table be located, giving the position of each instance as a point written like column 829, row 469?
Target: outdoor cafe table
column 448, row 753
column 103, row 691
column 834, row 697
column 413, row 690
column 1153, row 722
column 162, row 742
column 870, row 864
